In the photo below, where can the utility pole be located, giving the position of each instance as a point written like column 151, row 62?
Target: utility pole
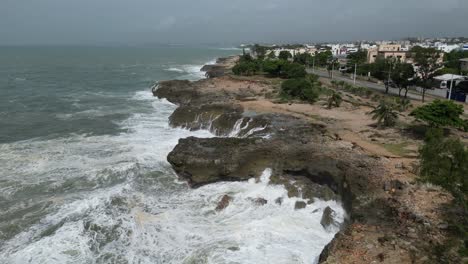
column 333, row 68
column 355, row 72
column 451, row 86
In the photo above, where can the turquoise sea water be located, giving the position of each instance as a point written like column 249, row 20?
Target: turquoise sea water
column 84, row 176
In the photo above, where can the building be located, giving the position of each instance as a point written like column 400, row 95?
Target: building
column 464, row 65
column 446, row 47
column 465, row 47
column 387, row 51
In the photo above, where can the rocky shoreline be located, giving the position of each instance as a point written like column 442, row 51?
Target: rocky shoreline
column 305, row 156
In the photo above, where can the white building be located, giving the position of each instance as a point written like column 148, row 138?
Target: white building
column 445, row 47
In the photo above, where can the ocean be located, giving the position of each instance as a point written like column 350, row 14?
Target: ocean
column 84, row 176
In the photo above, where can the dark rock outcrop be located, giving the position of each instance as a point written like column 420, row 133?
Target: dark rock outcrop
column 223, row 203
column 327, row 218
column 300, row 205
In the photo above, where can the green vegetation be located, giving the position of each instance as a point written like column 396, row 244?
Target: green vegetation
column 444, row 162
column 306, row 89
column 440, row 113
column 247, row 66
column 322, row 58
column 334, row 100
column 402, row 104
column 428, row 61
column 358, row 58
column 284, row 55
column 293, row 70
column 402, row 75
column 399, row 149
column 274, row 68
column 385, row 114
column 452, row 60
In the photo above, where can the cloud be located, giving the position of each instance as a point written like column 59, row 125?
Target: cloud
column 166, row 23
column 234, row 21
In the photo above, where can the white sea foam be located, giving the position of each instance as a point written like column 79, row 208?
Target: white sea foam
column 128, row 206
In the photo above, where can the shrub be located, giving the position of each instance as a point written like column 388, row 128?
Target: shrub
column 385, row 114
column 444, row 161
column 293, row 71
column 440, row 113
column 301, row 89
column 334, row 100
column 273, row 67
column 245, row 68
column 402, row 104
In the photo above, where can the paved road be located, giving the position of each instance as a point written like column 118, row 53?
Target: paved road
column 375, row 86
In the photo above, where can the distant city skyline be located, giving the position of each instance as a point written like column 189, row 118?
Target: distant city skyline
column 122, row 22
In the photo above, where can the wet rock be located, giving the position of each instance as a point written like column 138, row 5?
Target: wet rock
column 260, row 201
column 233, row 248
column 300, row 205
column 327, row 218
column 279, row 200
column 223, row 203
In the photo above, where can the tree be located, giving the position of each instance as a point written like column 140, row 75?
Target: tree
column 284, row 55
column 358, row 58
column 322, row 58
column 402, row 75
column 246, row 66
column 440, row 113
column 293, row 70
column 273, row 67
column 385, row 114
column 334, row 100
column 301, row 89
column 304, row 59
column 332, row 65
column 452, row 59
column 271, row 55
column 259, row 51
column 427, row 60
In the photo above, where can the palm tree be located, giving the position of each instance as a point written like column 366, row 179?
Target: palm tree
column 334, row 100
column 385, row 114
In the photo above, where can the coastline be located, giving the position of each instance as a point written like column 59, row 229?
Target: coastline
column 304, row 145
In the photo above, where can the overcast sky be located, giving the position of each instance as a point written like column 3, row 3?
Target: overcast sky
column 222, row 21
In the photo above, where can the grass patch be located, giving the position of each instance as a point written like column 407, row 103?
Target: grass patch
column 400, row 149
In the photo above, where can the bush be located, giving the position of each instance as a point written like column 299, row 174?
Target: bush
column 444, row 161
column 293, row 71
column 334, row 100
column 273, row 67
column 301, row 89
column 245, row 68
column 440, row 113
column 385, row 114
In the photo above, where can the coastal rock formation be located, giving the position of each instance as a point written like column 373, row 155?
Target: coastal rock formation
column 304, row 156
column 328, row 220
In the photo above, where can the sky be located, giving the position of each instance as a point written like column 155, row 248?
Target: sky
column 77, row 22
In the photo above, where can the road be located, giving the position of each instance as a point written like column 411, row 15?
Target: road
column 375, row 86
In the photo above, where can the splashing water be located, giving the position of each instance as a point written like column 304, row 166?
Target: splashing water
column 113, row 197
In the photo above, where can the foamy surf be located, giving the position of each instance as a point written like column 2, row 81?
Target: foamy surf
column 113, row 198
